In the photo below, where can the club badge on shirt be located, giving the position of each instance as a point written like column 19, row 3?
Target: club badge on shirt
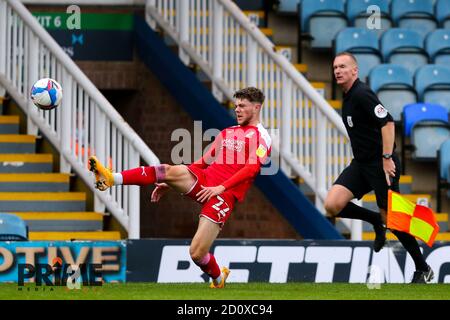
column 261, row 151
column 380, row 111
column 349, row 121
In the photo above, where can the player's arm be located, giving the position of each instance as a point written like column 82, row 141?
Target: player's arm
column 160, row 190
column 247, row 172
column 381, row 116
column 388, row 136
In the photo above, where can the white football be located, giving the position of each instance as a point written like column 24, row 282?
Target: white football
column 46, row 94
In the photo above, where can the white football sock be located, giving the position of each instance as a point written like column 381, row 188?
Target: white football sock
column 218, row 279
column 118, row 179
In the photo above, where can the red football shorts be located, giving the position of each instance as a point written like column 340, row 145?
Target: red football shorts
column 218, row 208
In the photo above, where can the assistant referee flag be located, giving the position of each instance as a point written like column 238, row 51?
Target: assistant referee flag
column 404, row 215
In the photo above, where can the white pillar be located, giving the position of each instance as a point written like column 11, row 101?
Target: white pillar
column 320, row 157
column 66, row 121
column 356, row 227
column 217, row 48
column 183, row 28
column 150, row 5
column 3, row 37
column 100, row 150
column 286, row 107
column 33, row 76
column 134, row 204
column 252, row 60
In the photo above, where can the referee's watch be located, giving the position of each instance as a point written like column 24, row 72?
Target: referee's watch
column 387, row 156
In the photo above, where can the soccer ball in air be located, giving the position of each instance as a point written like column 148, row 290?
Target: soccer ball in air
column 46, row 94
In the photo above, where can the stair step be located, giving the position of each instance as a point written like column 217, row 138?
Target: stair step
column 62, row 221
column 287, row 51
column 301, row 67
column 17, row 143
column 23, row 182
column 268, row 32
column 42, row 201
column 92, row 235
column 9, row 124
column 257, row 17
column 26, row 163
column 335, row 104
column 441, row 236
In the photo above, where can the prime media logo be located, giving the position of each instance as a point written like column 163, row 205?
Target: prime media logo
column 72, row 276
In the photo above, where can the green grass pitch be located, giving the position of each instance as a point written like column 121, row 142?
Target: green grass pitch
column 233, row 291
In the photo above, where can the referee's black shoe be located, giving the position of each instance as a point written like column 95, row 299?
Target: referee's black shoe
column 380, row 237
column 423, row 276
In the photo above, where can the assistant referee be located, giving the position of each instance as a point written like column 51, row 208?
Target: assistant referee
column 375, row 165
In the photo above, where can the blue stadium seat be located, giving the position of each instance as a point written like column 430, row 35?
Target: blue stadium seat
column 322, row 20
column 432, row 83
column 358, row 16
column 363, row 44
column 288, row 6
column 394, row 86
column 427, row 137
column 443, row 13
column 415, row 112
column 414, row 14
column 404, row 47
column 12, row 228
column 443, row 171
column 437, row 44
column 421, row 121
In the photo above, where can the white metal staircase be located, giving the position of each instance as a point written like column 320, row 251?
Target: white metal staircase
column 86, row 123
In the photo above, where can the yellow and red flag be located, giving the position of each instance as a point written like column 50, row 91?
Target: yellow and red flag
column 415, row 219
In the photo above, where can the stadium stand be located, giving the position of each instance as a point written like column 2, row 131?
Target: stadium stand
column 363, row 44
column 442, row 11
column 417, row 15
column 404, row 47
column 394, row 86
column 437, row 44
column 427, row 127
column 357, row 13
column 287, row 6
column 12, row 228
column 443, row 179
column 432, row 83
column 322, row 20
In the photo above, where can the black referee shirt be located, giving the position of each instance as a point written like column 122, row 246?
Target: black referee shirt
column 364, row 116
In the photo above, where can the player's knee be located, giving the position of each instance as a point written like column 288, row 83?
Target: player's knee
column 197, row 253
column 332, row 208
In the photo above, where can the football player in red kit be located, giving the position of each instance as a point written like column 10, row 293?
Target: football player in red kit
column 219, row 178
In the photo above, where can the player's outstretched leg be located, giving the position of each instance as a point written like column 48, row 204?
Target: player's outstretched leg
column 104, row 178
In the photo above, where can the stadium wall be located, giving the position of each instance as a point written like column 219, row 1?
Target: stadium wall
column 168, row 261
column 279, row 261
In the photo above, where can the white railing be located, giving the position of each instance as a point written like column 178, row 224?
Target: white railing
column 86, row 123
column 218, row 37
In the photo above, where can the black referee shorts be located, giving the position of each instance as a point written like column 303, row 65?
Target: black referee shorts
column 362, row 177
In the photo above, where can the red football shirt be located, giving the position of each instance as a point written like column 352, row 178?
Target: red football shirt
column 235, row 158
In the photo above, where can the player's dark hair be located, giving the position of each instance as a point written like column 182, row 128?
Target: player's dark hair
column 348, row 54
column 252, row 94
